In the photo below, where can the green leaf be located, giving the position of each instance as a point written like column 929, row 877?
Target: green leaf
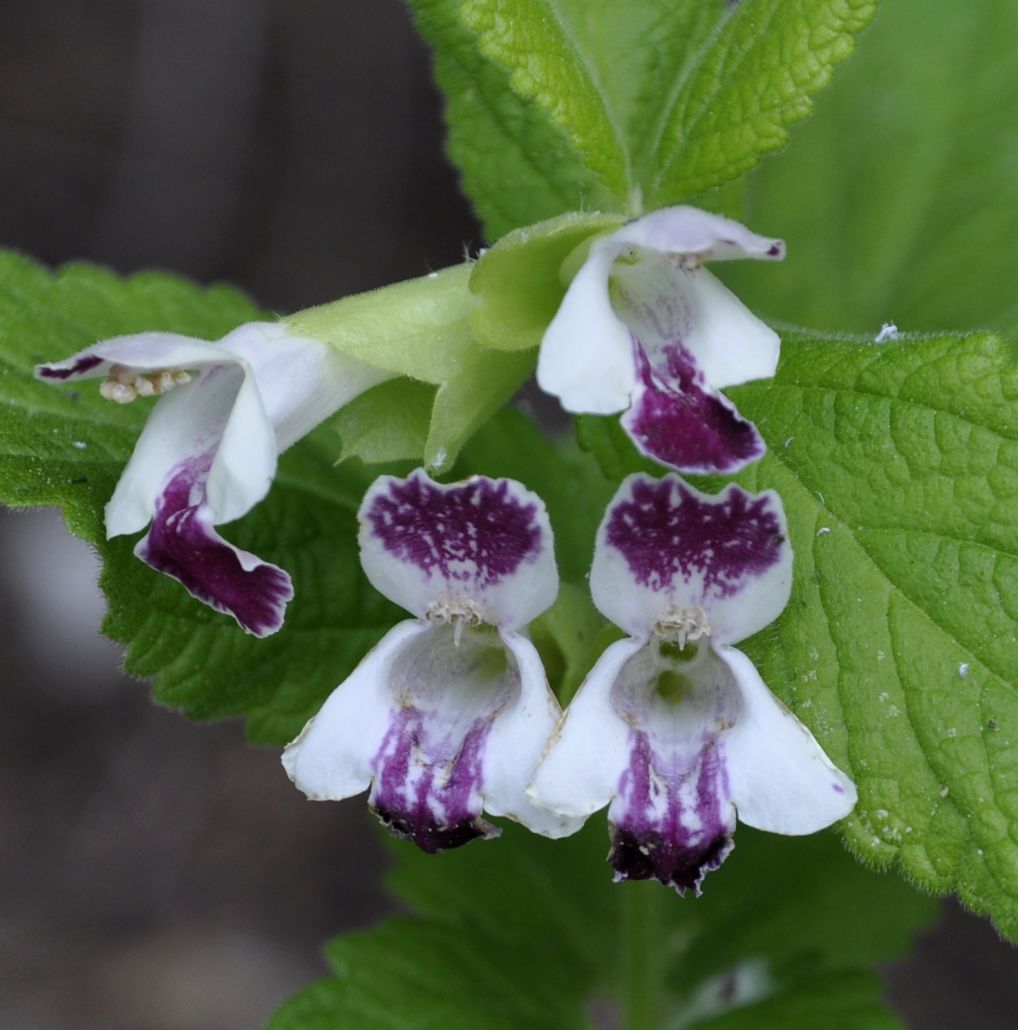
column 898, row 467
column 900, row 476
column 66, row 446
column 753, row 79
column 668, row 99
column 899, row 201
column 517, row 166
column 524, row 931
column 414, row 973
column 846, row 1000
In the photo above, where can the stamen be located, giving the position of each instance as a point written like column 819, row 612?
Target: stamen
column 682, row 624
column 125, row 383
column 460, row 611
column 690, row 262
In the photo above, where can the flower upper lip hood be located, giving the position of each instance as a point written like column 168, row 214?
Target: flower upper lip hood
column 673, row 727
column 448, row 714
column 646, row 330
column 208, row 451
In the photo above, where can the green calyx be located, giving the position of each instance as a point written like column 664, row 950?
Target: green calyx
column 419, row 330
column 462, row 341
column 519, row 283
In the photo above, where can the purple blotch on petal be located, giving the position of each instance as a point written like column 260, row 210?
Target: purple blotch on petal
column 652, row 856
column 425, row 796
column 84, row 364
column 666, row 531
column 475, row 531
column 678, row 421
column 183, row 543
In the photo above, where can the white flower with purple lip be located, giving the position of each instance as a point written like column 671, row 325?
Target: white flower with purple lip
column 646, row 330
column 673, row 728
column 448, row 714
column 208, row 451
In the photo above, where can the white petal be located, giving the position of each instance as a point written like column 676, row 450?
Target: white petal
column 681, row 312
column 264, row 390
column 688, row 230
column 780, row 778
column 589, row 749
column 516, row 742
column 664, row 546
column 481, row 548
column 245, row 462
column 586, row 355
column 145, row 352
column 301, row 380
column 332, row 757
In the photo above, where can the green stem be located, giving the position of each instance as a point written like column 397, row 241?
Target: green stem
column 642, row 957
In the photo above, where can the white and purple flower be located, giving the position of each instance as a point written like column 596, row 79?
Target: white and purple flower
column 208, row 451
column 448, row 714
column 646, row 330
column 674, row 728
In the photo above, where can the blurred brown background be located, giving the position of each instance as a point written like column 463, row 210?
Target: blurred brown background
column 155, row 873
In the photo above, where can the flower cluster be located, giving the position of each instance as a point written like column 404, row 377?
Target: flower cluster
column 451, row 715
column 673, row 729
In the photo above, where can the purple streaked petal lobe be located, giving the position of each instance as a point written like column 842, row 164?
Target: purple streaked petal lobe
column 669, row 306
column 442, row 723
column 693, row 834
column 482, row 547
column 428, row 790
column 646, row 732
column 682, row 424
column 672, row 817
column 781, row 779
column 182, row 543
column 428, row 768
column 665, row 546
